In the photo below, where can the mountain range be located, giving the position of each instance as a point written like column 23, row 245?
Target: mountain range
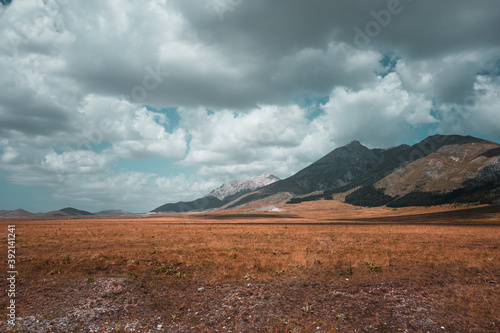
column 438, row 170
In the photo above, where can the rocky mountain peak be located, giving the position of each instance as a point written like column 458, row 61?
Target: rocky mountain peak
column 354, row 143
column 237, row 186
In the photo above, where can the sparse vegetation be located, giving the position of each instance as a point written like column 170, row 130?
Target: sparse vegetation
column 307, row 308
column 340, row 316
column 167, row 270
column 372, row 266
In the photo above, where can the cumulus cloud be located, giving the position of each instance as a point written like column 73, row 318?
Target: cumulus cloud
column 448, row 80
column 228, row 143
column 134, row 131
column 129, row 190
column 480, row 112
column 75, row 162
column 378, row 115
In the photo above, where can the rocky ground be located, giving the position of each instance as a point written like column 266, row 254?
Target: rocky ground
column 166, row 304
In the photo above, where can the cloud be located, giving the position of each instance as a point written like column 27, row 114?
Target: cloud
column 267, row 138
column 75, row 162
column 85, row 180
column 378, row 115
column 133, row 191
column 28, row 104
column 478, row 115
column 133, row 131
column 448, row 80
column 315, row 71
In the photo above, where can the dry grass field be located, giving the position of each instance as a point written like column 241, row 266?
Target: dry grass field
column 321, row 267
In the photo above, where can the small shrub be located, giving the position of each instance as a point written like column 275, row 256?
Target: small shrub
column 67, row 259
column 308, row 308
column 167, row 270
column 372, row 267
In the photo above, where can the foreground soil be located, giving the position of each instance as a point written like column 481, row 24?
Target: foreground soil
column 320, row 267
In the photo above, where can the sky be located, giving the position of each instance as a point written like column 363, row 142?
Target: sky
column 128, row 104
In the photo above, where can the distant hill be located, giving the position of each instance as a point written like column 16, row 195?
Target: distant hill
column 74, row 212
column 20, row 213
column 112, row 212
column 15, row 213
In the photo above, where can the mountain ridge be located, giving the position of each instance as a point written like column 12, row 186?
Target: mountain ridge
column 220, row 196
column 356, row 167
column 236, row 187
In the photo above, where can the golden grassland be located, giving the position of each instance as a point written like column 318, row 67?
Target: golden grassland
column 343, row 272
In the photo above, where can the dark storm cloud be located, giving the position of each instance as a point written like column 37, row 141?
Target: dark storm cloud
column 264, row 34
column 417, row 28
column 33, row 118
